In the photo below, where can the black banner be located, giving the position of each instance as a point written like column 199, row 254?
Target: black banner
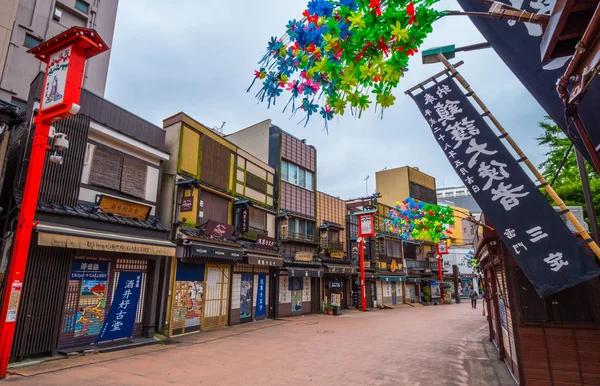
column 202, row 250
column 518, row 45
column 537, row 237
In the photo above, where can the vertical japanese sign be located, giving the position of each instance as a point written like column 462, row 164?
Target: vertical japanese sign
column 261, row 297
column 539, row 240
column 54, row 90
column 518, row 44
column 121, row 317
column 246, row 296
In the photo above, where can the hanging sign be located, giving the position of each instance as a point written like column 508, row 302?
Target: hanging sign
column 245, row 218
column 187, row 204
column 261, row 297
column 296, row 284
column 537, row 237
column 518, row 44
column 366, row 225
column 13, row 302
column 218, row 230
column 337, row 255
column 123, row 208
column 303, row 256
column 442, row 247
column 121, row 318
column 265, row 242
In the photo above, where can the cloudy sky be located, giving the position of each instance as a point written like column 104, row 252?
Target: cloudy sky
column 199, row 57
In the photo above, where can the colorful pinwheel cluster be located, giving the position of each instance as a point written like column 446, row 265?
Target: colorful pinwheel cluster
column 414, row 220
column 470, row 260
column 342, row 52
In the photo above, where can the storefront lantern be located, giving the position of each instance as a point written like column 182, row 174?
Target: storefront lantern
column 366, row 226
column 442, row 247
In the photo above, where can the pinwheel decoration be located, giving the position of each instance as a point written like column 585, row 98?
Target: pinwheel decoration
column 413, row 220
column 344, row 55
column 470, row 260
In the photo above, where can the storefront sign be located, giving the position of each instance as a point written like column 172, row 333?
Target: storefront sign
column 187, row 204
column 303, row 256
column 336, row 255
column 56, row 81
column 261, row 297
column 265, row 242
column 293, row 272
column 427, row 271
column 218, row 230
column 393, row 266
column 296, row 284
column 77, row 242
column 124, row 208
column 215, row 252
column 335, row 284
column 265, row 260
column 245, row 218
column 89, row 270
column 13, row 302
column 537, row 237
column 121, row 318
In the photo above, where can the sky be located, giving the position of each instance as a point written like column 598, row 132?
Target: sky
column 199, row 57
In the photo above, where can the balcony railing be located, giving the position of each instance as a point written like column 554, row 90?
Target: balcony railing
column 412, row 263
column 292, row 236
column 332, row 246
column 252, row 233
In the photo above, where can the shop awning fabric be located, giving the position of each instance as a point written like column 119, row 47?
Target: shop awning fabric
column 214, row 251
column 304, row 272
column 340, row 269
column 50, row 235
column 258, row 259
column 392, row 278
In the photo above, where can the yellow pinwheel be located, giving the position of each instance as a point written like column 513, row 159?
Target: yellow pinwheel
column 400, row 33
column 356, row 20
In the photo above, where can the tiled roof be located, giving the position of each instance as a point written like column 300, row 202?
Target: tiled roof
column 198, row 233
column 83, row 210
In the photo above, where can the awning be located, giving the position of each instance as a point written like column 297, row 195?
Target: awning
column 50, row 235
column 340, row 269
column 392, row 278
column 213, row 251
column 258, row 259
column 304, row 272
column 413, row 280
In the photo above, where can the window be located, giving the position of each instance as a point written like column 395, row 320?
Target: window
column 82, row 6
column 296, row 175
column 422, row 193
column 393, row 248
column 299, row 227
column 57, row 15
column 214, row 207
column 440, row 195
column 21, row 104
column 460, row 193
column 123, row 174
column 31, row 41
column 258, row 219
column 256, row 183
column 216, row 159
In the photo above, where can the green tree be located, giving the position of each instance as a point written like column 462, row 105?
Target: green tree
column 568, row 183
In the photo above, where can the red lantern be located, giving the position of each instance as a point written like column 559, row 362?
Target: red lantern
column 366, row 225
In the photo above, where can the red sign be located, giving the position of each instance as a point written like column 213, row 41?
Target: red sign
column 366, row 225
column 187, row 204
column 265, row 242
column 218, row 230
column 442, row 247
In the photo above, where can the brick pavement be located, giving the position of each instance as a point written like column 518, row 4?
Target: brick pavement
column 437, row 345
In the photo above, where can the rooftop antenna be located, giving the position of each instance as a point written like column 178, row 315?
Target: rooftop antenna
column 367, row 185
column 219, row 129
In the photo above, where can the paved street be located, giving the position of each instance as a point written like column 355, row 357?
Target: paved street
column 441, row 345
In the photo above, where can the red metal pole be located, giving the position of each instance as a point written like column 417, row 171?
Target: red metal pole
column 441, row 274
column 18, row 263
column 362, row 274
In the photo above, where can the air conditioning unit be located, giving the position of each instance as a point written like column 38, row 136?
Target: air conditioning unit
column 57, row 14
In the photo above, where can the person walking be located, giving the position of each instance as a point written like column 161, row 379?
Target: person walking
column 474, row 299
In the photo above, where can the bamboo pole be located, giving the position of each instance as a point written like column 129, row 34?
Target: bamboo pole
column 559, row 202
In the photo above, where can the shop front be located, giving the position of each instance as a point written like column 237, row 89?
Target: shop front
column 338, row 285
column 299, row 290
column 112, row 284
column 370, row 290
column 200, row 291
column 468, row 282
column 390, row 288
column 413, row 289
column 251, row 297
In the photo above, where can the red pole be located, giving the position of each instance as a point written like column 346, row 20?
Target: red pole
column 362, row 274
column 18, row 263
column 441, row 274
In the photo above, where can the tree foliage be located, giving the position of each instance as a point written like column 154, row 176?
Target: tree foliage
column 568, row 183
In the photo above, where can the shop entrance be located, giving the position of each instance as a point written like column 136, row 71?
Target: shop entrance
column 216, row 300
column 188, row 294
column 246, row 291
column 93, row 284
column 394, row 295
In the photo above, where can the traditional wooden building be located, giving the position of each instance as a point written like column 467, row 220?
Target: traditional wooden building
column 295, row 164
column 551, row 340
column 96, row 232
column 331, row 219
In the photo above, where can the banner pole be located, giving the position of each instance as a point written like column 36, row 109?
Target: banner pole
column 557, row 200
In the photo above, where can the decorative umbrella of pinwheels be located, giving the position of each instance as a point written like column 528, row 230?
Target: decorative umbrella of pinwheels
column 414, row 220
column 344, row 54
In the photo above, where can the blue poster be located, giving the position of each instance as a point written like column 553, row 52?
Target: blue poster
column 261, row 294
column 121, row 317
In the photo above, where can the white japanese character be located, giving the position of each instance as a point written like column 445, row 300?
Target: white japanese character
column 447, row 111
column 508, row 195
column 463, row 171
column 443, row 90
column 555, row 261
column 116, row 325
column 124, row 304
column 461, row 131
column 127, row 293
column 475, row 188
column 458, row 163
column 441, row 137
column 469, row 180
column 536, row 234
column 129, row 284
column 427, row 113
column 429, row 99
column 446, row 147
column 510, row 233
column 95, row 268
column 474, row 147
column 451, row 154
column 83, row 265
column 517, row 246
column 121, row 314
column 492, row 173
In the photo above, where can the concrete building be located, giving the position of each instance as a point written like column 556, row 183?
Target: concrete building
column 452, row 191
column 399, row 183
column 26, row 23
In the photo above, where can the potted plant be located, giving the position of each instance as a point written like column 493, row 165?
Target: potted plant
column 329, row 307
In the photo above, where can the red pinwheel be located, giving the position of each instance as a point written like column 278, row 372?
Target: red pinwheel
column 376, row 6
column 382, row 45
column 410, row 11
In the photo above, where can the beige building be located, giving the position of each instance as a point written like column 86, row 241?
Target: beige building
column 26, row 23
column 399, row 183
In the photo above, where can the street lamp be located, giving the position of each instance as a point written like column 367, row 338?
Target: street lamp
column 65, row 56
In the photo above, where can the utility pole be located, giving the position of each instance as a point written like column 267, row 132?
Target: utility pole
column 587, row 194
column 456, row 283
column 367, row 186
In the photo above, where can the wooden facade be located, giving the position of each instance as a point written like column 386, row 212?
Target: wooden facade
column 552, row 340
